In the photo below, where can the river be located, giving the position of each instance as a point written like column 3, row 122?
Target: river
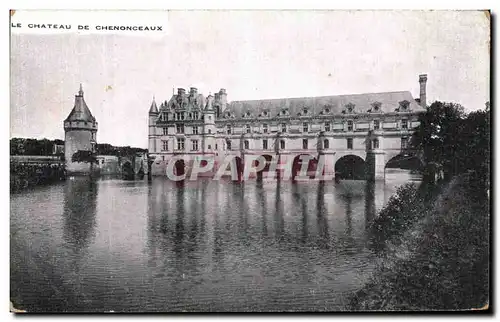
column 113, row 245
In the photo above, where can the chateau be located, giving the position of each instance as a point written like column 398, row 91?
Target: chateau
column 374, row 126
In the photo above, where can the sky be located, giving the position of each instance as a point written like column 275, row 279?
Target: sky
column 253, row 55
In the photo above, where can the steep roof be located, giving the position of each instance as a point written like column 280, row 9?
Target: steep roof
column 153, row 108
column 80, row 111
column 361, row 103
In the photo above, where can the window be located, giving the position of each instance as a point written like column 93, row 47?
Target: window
column 209, row 131
column 350, row 125
column 217, row 112
column 282, row 144
column 195, row 130
column 216, row 146
column 228, row 129
column 228, row 144
column 305, row 127
column 210, row 117
column 209, row 147
column 165, row 131
column 283, row 127
column 264, row 144
column 304, row 144
column 246, row 144
column 376, row 125
column 248, row 128
column 194, row 145
column 164, row 145
column 404, row 124
column 349, row 143
column 179, row 128
column 326, row 144
column 195, row 115
column 375, row 143
column 264, row 128
column 190, row 115
column 183, row 115
column 327, row 127
column 180, row 144
column 404, row 143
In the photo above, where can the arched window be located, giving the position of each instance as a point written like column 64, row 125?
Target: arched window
column 326, row 144
column 247, row 145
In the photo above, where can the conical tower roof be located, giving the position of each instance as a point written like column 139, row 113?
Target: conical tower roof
column 80, row 111
column 153, row 108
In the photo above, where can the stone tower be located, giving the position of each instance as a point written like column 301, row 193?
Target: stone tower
column 80, row 129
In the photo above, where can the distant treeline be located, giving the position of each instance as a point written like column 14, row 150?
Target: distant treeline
column 21, row 146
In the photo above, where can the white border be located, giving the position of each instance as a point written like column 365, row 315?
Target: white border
column 193, row 4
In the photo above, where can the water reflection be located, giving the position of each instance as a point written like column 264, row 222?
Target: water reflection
column 80, row 203
column 208, row 245
column 321, row 214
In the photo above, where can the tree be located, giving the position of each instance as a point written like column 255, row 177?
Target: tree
column 453, row 139
column 84, row 156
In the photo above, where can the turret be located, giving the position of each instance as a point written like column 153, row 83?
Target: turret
column 153, row 116
column 80, row 131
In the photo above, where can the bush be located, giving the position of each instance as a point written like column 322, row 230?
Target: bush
column 402, row 210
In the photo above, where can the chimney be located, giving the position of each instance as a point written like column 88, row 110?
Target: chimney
column 193, row 91
column 223, row 97
column 422, row 79
column 181, row 91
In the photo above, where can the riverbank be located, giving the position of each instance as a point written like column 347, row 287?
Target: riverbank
column 438, row 262
column 23, row 176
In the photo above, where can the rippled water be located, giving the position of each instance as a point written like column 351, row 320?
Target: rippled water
column 109, row 244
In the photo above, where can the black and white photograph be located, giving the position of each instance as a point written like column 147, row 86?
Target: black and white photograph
column 250, row 161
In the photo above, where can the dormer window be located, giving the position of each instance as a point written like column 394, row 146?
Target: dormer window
column 304, row 111
column 403, row 106
column 264, row 113
column 376, row 107
column 350, row 107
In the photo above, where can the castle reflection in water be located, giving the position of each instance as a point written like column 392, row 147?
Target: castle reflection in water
column 203, row 245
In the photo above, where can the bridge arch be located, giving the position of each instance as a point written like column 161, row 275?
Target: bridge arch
column 297, row 164
column 180, row 167
column 404, row 161
column 350, row 166
column 267, row 165
column 127, row 170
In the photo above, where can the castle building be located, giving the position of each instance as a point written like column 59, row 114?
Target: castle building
column 374, row 127
column 80, row 129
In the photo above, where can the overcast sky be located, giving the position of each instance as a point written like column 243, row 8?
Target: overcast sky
column 253, row 54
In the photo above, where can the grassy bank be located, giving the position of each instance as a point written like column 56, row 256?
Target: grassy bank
column 24, row 176
column 437, row 251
